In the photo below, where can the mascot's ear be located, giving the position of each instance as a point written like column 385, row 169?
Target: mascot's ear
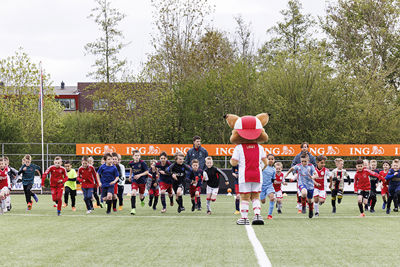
column 231, row 119
column 264, row 118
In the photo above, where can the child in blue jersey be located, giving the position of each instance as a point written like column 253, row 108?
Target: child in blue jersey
column 267, row 188
column 235, row 174
column 138, row 176
column 393, row 177
column 165, row 180
column 109, row 177
column 28, row 171
column 306, row 172
column 196, row 181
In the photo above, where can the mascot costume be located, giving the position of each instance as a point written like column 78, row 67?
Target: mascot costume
column 247, row 134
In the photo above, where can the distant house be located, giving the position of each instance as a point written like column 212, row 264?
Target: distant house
column 68, row 96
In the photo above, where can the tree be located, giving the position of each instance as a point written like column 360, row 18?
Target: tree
column 108, row 46
column 243, row 38
column 21, row 83
column 366, row 35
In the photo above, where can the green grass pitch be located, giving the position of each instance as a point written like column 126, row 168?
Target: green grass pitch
column 40, row 238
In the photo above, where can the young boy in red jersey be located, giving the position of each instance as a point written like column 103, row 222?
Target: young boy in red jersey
column 165, row 180
column 278, row 185
column 153, row 185
column 58, row 176
column 5, row 185
column 384, row 189
column 321, row 177
column 196, row 181
column 137, row 176
column 88, row 179
column 362, row 185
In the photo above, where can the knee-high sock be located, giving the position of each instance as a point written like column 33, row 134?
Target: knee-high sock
column 155, row 202
column 360, row 206
column 373, row 202
column 256, row 206
column 133, row 202
column 180, row 201
column 209, row 204
column 164, row 205
column 109, row 205
column 244, row 208
column 115, row 203
column 396, row 200
column 151, row 200
column 316, row 206
column 303, row 201
column 171, row 199
column 198, row 202
column 237, row 204
column 389, row 202
column 271, row 207
column 193, row 202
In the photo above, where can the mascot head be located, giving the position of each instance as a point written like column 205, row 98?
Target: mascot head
column 248, row 129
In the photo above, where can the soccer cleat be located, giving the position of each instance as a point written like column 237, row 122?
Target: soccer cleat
column 108, row 212
column 372, row 210
column 142, row 203
column 366, row 207
column 182, row 208
column 279, row 212
column 199, row 209
column 154, row 208
column 383, row 206
column 310, row 213
column 298, row 211
column 163, row 211
column 303, row 209
column 150, row 202
column 171, row 203
column 35, row 197
column 65, row 205
column 208, row 212
column 101, row 205
column 29, row 206
column 333, row 209
column 58, row 212
column 133, row 211
column 95, row 206
column 73, row 209
column 89, row 211
column 362, row 215
column 236, row 212
column 179, row 210
column 243, row 221
column 120, row 208
column 339, row 200
column 269, row 217
column 316, row 214
column 9, row 207
column 387, row 211
column 396, row 210
column 114, row 209
column 258, row 220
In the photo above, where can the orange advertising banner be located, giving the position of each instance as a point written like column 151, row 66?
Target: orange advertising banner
column 290, row 150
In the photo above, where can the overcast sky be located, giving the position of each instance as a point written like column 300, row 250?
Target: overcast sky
column 55, row 31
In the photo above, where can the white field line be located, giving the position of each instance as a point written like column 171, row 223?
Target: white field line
column 262, row 257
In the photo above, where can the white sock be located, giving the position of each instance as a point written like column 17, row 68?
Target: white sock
column 244, row 208
column 256, row 206
column 316, row 207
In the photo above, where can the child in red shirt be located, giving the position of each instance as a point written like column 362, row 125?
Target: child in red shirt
column 58, row 176
column 88, row 178
column 384, row 190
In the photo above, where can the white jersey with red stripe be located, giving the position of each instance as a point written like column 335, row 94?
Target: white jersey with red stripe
column 249, row 157
column 322, row 179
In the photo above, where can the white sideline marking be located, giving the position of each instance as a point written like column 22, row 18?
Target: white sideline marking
column 262, row 257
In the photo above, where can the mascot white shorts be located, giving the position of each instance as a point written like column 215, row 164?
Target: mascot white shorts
column 245, row 188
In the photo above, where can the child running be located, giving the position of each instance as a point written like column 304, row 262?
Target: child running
column 306, row 172
column 121, row 184
column 374, row 182
column 28, row 170
column 384, row 189
column 211, row 176
column 109, row 177
column 362, row 186
column 153, row 185
column 70, row 185
column 5, row 185
column 165, row 180
column 235, row 174
column 88, row 179
column 178, row 171
column 196, row 181
column 321, row 177
column 137, row 176
column 336, row 183
column 267, row 188
column 393, row 177
column 279, row 181
column 97, row 187
column 58, row 176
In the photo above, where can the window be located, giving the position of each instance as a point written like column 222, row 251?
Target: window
column 100, row 104
column 68, row 103
column 130, row 104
